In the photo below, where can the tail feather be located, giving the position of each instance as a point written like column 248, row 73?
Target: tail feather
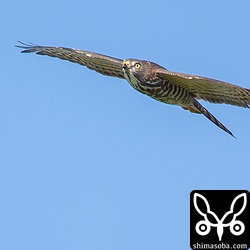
column 206, row 113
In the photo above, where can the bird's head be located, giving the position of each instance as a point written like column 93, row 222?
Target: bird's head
column 140, row 72
column 136, row 68
column 144, row 72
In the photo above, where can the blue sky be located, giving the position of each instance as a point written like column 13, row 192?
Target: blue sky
column 89, row 163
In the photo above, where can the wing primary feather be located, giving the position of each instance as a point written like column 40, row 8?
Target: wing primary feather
column 103, row 64
column 208, row 89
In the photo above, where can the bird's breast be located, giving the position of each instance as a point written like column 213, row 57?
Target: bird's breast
column 150, row 88
column 158, row 89
column 133, row 81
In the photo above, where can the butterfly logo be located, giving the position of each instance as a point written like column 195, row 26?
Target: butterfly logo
column 210, row 219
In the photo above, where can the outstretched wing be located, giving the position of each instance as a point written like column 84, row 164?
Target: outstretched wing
column 105, row 65
column 208, row 89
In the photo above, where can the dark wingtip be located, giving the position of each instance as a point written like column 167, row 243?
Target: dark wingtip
column 27, row 47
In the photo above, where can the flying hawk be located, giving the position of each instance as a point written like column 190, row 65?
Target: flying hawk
column 155, row 81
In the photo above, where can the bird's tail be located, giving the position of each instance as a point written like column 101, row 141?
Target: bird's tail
column 206, row 113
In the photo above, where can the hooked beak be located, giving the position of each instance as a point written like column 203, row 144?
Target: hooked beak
column 126, row 65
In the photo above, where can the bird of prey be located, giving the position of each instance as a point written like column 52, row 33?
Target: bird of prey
column 155, row 81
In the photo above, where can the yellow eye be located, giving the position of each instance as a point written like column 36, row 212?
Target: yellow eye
column 137, row 65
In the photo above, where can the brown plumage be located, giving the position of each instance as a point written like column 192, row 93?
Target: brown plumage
column 155, row 81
